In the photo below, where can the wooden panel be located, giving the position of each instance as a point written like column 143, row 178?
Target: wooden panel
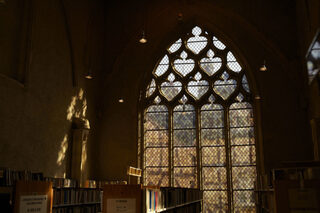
column 112, row 193
column 24, row 188
column 296, row 196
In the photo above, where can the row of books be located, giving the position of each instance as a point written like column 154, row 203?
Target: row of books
column 100, row 184
column 62, row 182
column 63, row 196
column 153, row 199
column 177, row 196
column 159, row 199
column 8, row 176
column 188, row 208
column 78, row 209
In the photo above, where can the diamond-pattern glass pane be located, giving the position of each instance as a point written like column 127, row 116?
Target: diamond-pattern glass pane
column 242, row 136
column 225, row 87
column 184, row 117
column 162, row 66
column 170, row 89
column 175, row 46
column 211, row 65
column 212, row 119
column 184, row 137
column 232, row 63
column 156, row 138
column 183, row 66
column 162, row 158
column 243, row 177
column 245, row 84
column 156, row 120
column 197, row 43
column 185, row 177
column 243, row 155
column 184, row 156
column 198, row 88
column 214, row 178
column 151, row 88
column 241, row 118
column 215, row 202
column 157, row 108
column 157, row 176
column 218, row 44
column 212, row 137
column 213, row 156
column 244, row 202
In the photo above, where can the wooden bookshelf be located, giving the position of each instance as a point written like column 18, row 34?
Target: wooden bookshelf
column 297, row 189
column 68, row 199
column 33, row 196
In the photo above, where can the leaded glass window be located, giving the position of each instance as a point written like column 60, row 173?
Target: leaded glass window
column 198, row 126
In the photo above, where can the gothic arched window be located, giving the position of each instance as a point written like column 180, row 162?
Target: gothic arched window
column 198, row 127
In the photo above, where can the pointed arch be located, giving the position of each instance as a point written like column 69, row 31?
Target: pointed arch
column 198, row 120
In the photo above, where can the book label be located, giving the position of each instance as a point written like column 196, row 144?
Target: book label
column 121, row 205
column 34, row 204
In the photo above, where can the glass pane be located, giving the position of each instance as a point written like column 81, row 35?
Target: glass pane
column 244, row 202
column 243, row 105
column 242, row 136
column 157, row 108
column 157, row 176
column 185, row 177
column 215, row 202
column 156, row 138
column 241, row 118
column 243, row 177
column 218, row 44
column 232, row 63
column 158, row 121
column 211, row 107
column 184, row 137
column 214, row 178
column 211, row 65
column 197, row 43
column 225, row 87
column 212, row 119
column 212, row 137
column 162, row 66
column 243, row 155
column 245, row 83
column 170, row 89
column 183, row 66
column 175, row 46
column 198, row 88
column 184, row 156
column 184, row 117
column 160, row 160
column 213, row 156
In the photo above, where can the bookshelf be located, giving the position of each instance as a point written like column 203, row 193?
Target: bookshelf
column 150, row 199
column 76, row 200
column 33, row 196
column 297, row 188
column 24, row 191
column 171, row 200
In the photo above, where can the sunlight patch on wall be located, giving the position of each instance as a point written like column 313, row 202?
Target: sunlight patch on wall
column 77, row 107
column 83, row 155
column 76, row 110
column 63, row 150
